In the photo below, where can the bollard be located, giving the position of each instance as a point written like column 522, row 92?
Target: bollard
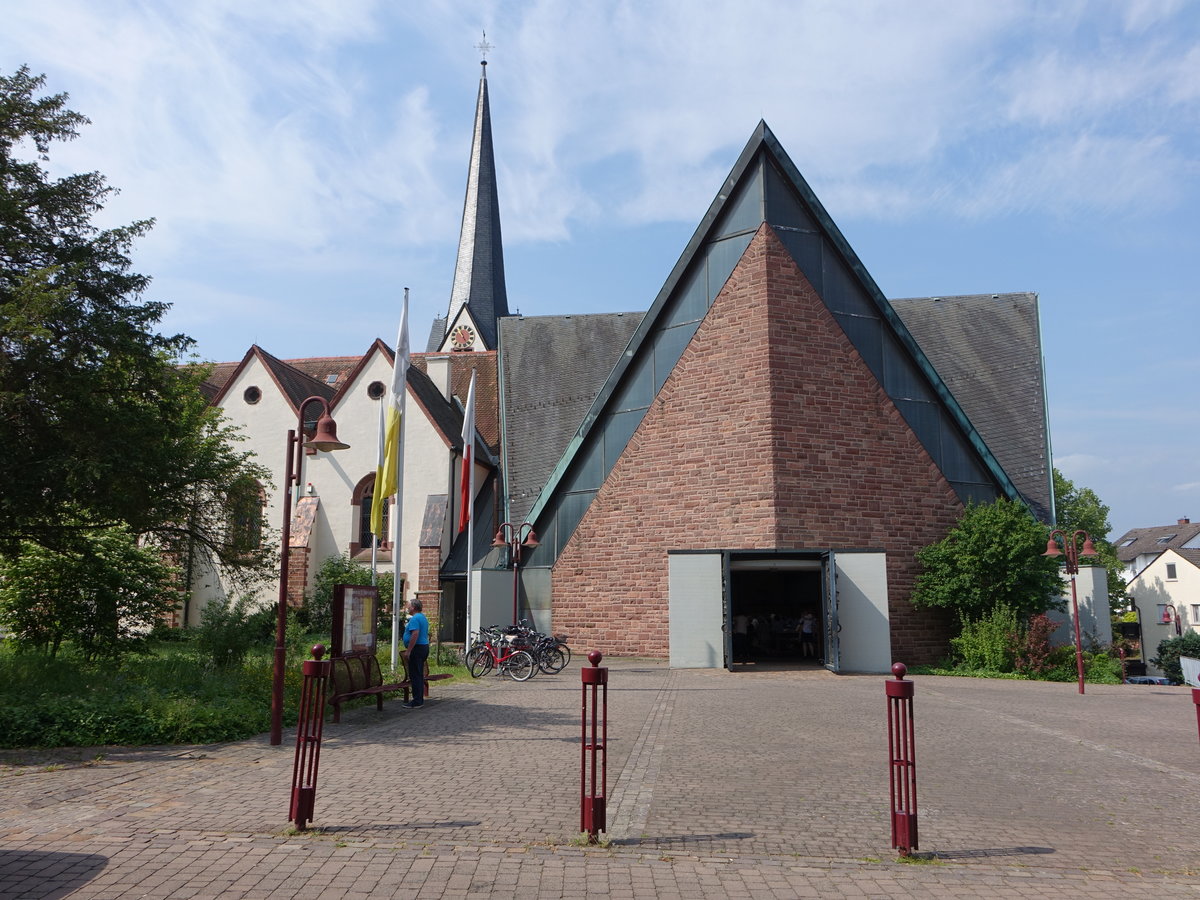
column 308, row 738
column 593, row 760
column 903, row 761
column 1196, row 701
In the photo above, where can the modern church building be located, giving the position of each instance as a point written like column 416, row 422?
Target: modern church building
column 772, row 437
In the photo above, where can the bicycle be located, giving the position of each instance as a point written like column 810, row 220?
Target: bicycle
column 490, row 650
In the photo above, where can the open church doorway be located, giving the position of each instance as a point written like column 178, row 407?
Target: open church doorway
column 777, row 612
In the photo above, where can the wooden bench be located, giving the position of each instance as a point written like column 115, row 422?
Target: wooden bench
column 359, row 675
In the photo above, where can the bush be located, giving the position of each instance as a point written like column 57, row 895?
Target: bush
column 1171, row 649
column 225, row 635
column 105, row 599
column 1031, row 646
column 986, row 643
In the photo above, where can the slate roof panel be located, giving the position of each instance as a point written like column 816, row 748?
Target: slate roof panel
column 553, row 368
column 987, row 350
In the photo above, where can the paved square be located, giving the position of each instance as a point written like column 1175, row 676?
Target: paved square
column 767, row 784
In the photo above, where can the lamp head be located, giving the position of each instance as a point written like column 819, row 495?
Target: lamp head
column 1088, row 549
column 326, row 437
column 531, row 541
column 498, row 540
column 1052, row 548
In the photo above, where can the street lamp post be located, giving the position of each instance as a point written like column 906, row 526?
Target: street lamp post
column 1171, row 614
column 1072, row 553
column 515, row 537
column 325, row 438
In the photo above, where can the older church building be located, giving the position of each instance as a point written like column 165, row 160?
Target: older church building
column 771, row 441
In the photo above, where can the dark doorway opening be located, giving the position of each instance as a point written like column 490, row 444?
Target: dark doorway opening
column 769, row 609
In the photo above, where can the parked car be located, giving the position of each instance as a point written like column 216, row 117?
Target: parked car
column 1149, row 679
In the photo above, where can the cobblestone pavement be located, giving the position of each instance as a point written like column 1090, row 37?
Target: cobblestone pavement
column 755, row 784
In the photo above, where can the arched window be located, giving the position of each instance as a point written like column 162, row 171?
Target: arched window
column 362, row 538
column 244, row 510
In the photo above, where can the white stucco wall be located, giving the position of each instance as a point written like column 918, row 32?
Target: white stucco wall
column 430, row 467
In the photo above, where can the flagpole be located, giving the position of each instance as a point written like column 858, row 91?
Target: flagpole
column 397, row 582
column 469, row 452
column 378, row 487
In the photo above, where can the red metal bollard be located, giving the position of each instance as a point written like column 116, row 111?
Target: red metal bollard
column 308, row 738
column 592, row 801
column 1196, row 700
column 903, row 761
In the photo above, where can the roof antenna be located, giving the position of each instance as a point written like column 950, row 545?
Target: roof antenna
column 483, row 47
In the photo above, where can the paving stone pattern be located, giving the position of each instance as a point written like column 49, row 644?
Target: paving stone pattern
column 756, row 784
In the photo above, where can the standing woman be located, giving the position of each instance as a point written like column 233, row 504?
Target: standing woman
column 416, row 639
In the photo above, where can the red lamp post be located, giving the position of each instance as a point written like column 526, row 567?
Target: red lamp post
column 1171, row 614
column 325, row 438
column 1072, row 553
column 515, row 537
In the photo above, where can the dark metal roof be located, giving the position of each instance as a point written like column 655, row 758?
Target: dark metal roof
column 553, row 367
column 987, row 349
column 479, row 270
column 485, row 529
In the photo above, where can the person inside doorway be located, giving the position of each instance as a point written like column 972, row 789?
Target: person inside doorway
column 808, row 635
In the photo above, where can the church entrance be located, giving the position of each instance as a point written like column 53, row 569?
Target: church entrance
column 776, row 613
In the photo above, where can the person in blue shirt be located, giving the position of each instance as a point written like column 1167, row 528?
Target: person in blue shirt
column 416, row 640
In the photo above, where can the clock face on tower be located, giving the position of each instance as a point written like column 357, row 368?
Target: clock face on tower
column 463, row 337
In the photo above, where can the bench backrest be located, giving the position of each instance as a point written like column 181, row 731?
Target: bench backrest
column 355, row 672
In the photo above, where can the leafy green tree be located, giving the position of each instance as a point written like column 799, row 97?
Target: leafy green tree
column 1079, row 508
column 991, row 558
column 104, row 598
column 102, row 427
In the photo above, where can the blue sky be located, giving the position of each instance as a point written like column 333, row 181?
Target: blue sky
column 306, row 161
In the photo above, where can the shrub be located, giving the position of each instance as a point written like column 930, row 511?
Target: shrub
column 224, row 635
column 1171, row 649
column 105, row 599
column 986, row 643
column 1031, row 646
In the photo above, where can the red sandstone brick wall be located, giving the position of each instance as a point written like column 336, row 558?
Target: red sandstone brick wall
column 297, row 575
column 771, row 432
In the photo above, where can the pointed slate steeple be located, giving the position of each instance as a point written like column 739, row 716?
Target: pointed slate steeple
column 479, row 273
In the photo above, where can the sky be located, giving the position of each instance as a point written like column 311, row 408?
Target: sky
column 304, row 162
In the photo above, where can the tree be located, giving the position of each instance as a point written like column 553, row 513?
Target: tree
column 1078, row 508
column 101, row 424
column 992, row 557
column 104, row 598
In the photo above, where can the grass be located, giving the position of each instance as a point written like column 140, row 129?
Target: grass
column 171, row 695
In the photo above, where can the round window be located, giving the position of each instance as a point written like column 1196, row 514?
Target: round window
column 375, row 390
column 252, row 395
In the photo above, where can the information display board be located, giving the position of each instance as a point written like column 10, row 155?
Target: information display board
column 354, row 613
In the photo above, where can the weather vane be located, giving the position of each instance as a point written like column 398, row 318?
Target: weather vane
column 483, row 46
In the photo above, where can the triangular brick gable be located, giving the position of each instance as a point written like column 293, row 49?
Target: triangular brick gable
column 770, row 432
column 763, row 186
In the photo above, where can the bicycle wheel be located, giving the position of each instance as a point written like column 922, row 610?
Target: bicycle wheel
column 566, row 652
column 551, row 660
column 481, row 663
column 519, row 666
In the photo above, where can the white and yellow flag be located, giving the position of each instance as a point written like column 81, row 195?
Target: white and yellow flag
column 386, row 478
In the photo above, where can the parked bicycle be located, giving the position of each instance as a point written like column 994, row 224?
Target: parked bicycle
column 490, row 650
column 550, row 653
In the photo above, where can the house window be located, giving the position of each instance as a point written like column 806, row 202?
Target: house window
column 363, row 538
column 1196, row 613
column 1129, row 543
column 1171, row 572
column 1166, row 539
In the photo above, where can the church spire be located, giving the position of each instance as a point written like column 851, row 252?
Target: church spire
column 479, row 271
